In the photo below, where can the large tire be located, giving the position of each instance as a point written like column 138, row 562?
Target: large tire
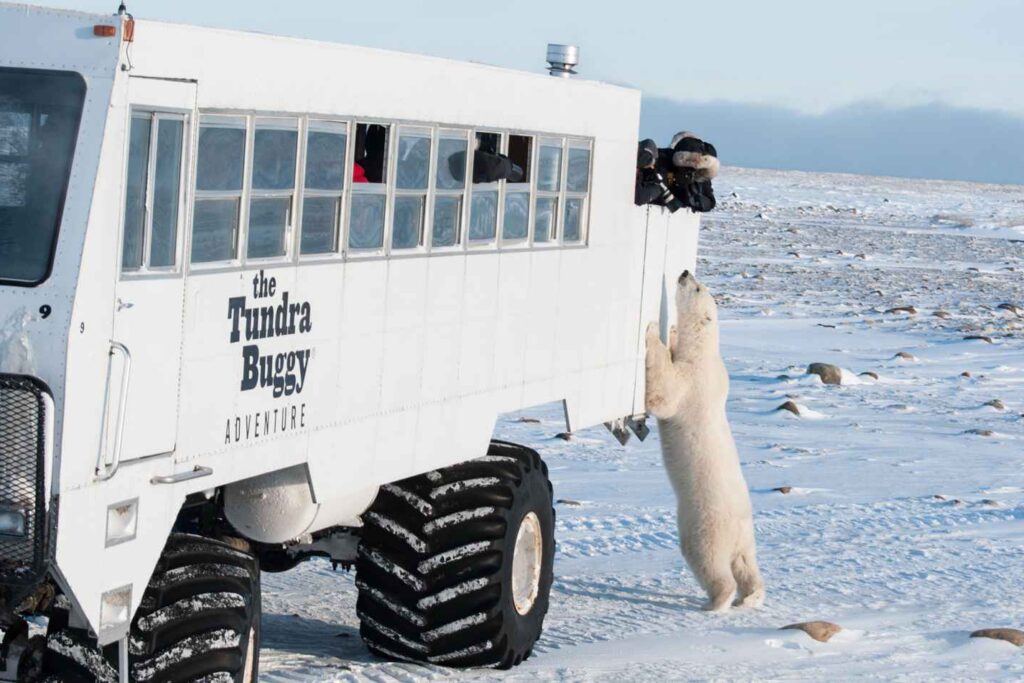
column 199, row 622
column 435, row 566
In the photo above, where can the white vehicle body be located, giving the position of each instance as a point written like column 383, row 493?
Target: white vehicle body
column 400, row 359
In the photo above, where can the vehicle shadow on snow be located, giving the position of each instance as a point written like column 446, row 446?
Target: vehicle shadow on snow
column 301, row 635
column 600, row 590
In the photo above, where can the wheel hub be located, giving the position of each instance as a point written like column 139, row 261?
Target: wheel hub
column 526, row 563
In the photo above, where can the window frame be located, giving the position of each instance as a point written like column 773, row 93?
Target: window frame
column 184, row 219
column 426, row 193
column 497, row 186
column 309, row 124
column 291, row 226
column 342, row 252
column 530, row 190
column 237, row 260
column 567, row 194
column 386, row 189
column 442, row 132
column 555, row 238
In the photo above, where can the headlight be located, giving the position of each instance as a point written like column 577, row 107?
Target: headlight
column 12, row 522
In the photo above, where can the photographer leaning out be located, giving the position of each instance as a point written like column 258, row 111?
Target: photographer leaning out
column 677, row 176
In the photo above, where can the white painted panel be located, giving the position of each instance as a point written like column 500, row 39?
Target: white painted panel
column 402, row 377
column 151, row 329
column 396, row 445
column 442, row 358
column 513, row 318
column 360, row 371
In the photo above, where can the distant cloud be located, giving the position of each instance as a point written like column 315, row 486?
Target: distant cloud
column 924, row 141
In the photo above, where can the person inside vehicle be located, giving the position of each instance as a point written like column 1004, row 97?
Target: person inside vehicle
column 488, row 165
column 371, row 152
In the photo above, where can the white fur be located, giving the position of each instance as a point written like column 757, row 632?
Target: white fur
column 705, row 166
column 687, row 386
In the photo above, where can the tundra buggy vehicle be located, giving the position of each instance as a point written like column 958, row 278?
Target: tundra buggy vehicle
column 259, row 302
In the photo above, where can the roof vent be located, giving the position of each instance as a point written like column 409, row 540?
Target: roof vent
column 562, row 59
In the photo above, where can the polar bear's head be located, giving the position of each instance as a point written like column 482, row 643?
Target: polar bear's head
column 694, row 304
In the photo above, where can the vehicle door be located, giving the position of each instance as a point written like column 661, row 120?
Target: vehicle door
column 148, row 306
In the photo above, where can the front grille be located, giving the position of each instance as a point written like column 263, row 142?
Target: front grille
column 24, row 403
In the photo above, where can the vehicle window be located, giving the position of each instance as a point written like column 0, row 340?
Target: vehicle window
column 483, row 209
column 449, row 188
column 152, row 192
column 221, row 157
column 447, row 220
column 326, row 147
column 163, row 245
column 451, row 161
column 483, row 215
column 549, row 188
column 577, row 186
column 413, row 159
column 578, row 175
column 544, row 226
column 274, row 154
column 39, row 116
column 371, row 153
column 517, row 216
column 367, row 228
column 572, row 220
column 135, row 192
column 520, row 147
column 516, row 221
column 369, row 177
column 549, row 173
column 412, row 177
column 214, row 230
column 220, row 164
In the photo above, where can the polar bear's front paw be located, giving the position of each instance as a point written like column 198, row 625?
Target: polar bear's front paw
column 653, row 333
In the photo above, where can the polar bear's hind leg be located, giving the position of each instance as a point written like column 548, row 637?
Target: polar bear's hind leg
column 750, row 587
column 721, row 589
column 711, row 568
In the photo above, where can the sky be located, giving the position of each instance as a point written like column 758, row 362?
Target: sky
column 808, row 58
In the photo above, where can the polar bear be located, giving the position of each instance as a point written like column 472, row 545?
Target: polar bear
column 687, row 386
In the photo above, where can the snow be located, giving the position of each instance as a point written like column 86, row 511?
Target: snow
column 901, row 526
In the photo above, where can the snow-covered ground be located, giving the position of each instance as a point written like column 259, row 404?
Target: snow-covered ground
column 905, row 522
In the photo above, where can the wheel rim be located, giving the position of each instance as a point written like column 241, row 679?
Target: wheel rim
column 526, row 563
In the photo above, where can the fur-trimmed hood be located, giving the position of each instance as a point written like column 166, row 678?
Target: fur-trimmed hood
column 691, row 153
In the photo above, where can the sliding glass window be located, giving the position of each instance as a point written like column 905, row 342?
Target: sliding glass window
column 549, row 185
column 483, row 213
column 449, row 188
column 220, row 168
column 152, row 208
column 369, row 188
column 323, row 191
column 412, row 184
column 272, row 196
column 577, row 186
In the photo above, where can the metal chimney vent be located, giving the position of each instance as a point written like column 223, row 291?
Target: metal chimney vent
column 562, row 59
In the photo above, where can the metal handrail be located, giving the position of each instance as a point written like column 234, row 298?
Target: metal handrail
column 196, row 473
column 105, row 471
